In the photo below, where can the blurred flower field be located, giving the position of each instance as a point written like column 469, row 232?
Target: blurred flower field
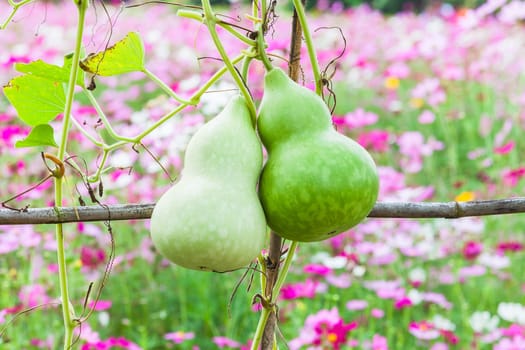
column 438, row 99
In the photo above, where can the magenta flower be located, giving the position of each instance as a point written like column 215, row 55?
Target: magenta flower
column 100, row 305
column 110, row 343
column 306, row 289
column 449, row 336
column 506, row 148
column 514, row 330
column 403, row 303
column 509, row 246
column 334, row 335
column 375, row 140
column 317, row 269
column 472, row 249
column 512, row 177
column 92, row 257
column 323, row 330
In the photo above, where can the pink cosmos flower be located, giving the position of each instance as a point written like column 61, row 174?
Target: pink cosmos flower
column 33, row 295
column 377, row 313
column 317, row 269
column 375, row 140
column 506, row 148
column 515, row 343
column 403, row 303
column 223, row 342
column 355, row 305
column 436, row 298
column 513, row 330
column 179, row 336
column 360, row 118
column 512, row 177
column 379, row 342
column 101, row 305
column 426, row 117
column 471, row 271
column 439, row 346
column 322, row 330
column 423, row 330
column 306, row 289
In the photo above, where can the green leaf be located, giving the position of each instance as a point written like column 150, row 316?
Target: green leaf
column 37, row 100
column 125, row 56
column 43, row 69
column 40, row 135
column 49, row 71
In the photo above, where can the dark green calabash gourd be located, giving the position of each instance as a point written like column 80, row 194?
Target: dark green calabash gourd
column 317, row 182
column 212, row 218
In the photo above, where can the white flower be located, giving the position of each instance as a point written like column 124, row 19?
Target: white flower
column 482, row 321
column 494, row 261
column 417, row 275
column 443, row 323
column 359, row 271
column 103, row 318
column 512, row 312
column 415, row 296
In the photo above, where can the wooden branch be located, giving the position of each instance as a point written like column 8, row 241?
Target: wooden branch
column 410, row 210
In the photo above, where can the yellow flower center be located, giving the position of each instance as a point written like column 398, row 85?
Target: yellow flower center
column 392, row 83
column 465, row 196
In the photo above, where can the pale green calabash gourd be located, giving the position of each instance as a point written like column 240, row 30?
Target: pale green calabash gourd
column 212, row 218
column 316, row 183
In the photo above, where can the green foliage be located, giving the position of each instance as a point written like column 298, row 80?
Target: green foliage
column 127, row 55
column 37, row 100
column 40, row 135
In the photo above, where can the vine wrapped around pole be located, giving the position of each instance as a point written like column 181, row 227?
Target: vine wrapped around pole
column 409, row 210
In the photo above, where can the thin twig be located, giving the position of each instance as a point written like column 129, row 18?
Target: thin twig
column 410, row 210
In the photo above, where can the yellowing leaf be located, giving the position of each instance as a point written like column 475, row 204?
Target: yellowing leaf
column 125, row 56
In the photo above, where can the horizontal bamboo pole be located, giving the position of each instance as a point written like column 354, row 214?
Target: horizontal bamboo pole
column 449, row 210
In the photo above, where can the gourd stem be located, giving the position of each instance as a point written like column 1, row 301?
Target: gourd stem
column 104, row 119
column 261, row 48
column 299, row 9
column 236, row 34
column 67, row 309
column 265, row 314
column 245, row 67
column 274, row 293
column 284, row 270
column 16, row 6
column 211, row 21
column 167, row 89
